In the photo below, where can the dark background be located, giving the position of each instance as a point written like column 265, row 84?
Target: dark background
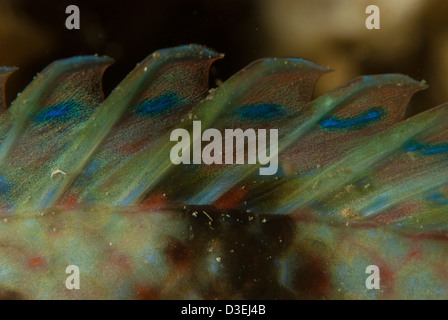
column 128, row 31
column 413, row 41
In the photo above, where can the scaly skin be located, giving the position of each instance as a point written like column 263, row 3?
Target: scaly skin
column 207, row 253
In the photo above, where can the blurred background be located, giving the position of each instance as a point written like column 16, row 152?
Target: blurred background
column 413, row 38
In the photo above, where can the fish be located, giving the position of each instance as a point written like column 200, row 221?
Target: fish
column 87, row 184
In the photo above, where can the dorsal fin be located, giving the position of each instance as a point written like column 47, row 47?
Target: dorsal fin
column 211, row 111
column 300, row 192
column 176, row 87
column 42, row 119
column 347, row 126
column 48, row 190
column 410, row 175
column 118, row 152
column 300, row 129
column 426, row 212
column 266, row 103
column 46, row 95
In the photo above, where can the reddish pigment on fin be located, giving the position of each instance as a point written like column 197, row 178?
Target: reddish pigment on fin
column 36, row 262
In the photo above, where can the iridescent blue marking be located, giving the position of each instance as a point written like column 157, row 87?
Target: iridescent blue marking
column 378, row 205
column 360, row 121
column 427, row 149
column 5, row 186
column 5, row 192
column 411, row 147
column 91, row 168
column 6, row 70
column 160, row 105
column 154, row 257
column 130, row 198
column 438, row 198
column 48, row 198
column 262, row 112
column 368, row 79
column 61, row 111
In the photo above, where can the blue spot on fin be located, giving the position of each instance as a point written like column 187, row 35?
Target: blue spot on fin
column 262, row 112
column 160, row 105
column 60, row 112
column 360, row 121
column 438, row 198
column 427, row 149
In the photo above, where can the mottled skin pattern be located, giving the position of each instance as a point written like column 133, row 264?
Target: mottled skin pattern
column 88, row 181
column 205, row 253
